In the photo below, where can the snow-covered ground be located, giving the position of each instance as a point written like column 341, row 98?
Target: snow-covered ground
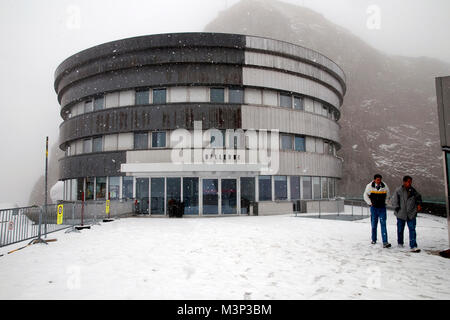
column 271, row 257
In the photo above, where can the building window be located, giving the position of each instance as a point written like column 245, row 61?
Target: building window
column 158, row 139
column 80, row 188
column 280, row 184
column 331, row 188
column 127, row 187
column 100, row 188
column 247, row 193
column 217, row 95
column 298, row 103
column 114, row 188
column 88, row 106
column 190, row 195
column 307, row 188
column 141, row 140
column 285, row 100
column 97, row 144
column 316, row 188
column 265, row 188
column 324, row 111
column 286, row 142
column 324, row 188
column 159, row 96
column 236, row 95
column 99, row 103
column 295, row 187
column 89, row 189
column 87, row 145
column 299, row 143
column 142, row 97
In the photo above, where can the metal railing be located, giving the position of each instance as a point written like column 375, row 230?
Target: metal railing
column 20, row 224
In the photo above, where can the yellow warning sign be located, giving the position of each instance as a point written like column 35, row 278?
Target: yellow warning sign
column 60, row 214
column 107, row 207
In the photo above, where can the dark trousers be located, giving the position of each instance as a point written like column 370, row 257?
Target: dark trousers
column 412, row 231
column 375, row 214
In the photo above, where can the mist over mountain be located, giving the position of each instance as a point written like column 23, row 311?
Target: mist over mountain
column 389, row 116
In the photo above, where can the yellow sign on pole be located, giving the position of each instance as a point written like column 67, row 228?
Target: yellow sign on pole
column 60, row 214
column 107, row 207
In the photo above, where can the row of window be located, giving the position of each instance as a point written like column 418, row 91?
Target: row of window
column 269, row 188
column 158, row 139
column 202, row 94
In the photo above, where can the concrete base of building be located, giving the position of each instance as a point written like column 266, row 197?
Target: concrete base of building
column 324, row 206
column 274, row 207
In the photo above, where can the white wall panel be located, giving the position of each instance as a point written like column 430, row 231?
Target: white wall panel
column 319, row 145
column 309, row 104
column 126, row 98
column 317, row 107
column 198, row 94
column 178, row 94
column 79, row 147
column 112, row 100
column 111, row 143
column 125, row 141
column 270, row 98
column 253, row 96
column 310, row 144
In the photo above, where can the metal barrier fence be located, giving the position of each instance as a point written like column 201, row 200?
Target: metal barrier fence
column 19, row 224
column 335, row 207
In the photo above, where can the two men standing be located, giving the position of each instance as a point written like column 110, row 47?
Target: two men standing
column 406, row 201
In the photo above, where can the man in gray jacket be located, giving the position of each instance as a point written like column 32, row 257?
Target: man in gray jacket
column 407, row 202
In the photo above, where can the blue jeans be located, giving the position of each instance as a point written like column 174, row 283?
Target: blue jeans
column 375, row 214
column 412, row 231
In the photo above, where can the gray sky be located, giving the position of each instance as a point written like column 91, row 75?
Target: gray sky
column 36, row 36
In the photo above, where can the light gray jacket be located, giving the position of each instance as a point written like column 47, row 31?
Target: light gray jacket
column 405, row 202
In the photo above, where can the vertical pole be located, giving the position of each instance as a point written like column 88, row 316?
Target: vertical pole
column 82, row 207
column 319, row 209
column 46, row 183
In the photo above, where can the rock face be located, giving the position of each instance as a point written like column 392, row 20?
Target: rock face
column 389, row 116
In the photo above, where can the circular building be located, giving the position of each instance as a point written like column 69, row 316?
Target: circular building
column 182, row 118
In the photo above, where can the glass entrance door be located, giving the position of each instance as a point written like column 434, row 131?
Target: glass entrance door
column 247, row 193
column 190, row 196
column 142, row 195
column 229, row 196
column 210, row 196
column 157, row 195
column 173, row 196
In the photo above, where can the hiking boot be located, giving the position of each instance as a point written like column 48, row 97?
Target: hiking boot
column 387, row 245
column 373, row 242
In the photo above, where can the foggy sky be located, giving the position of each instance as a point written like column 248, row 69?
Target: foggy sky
column 36, row 36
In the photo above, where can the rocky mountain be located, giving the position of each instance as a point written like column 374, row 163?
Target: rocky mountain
column 389, row 116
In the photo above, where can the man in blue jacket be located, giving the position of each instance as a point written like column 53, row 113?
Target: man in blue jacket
column 375, row 195
column 407, row 202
